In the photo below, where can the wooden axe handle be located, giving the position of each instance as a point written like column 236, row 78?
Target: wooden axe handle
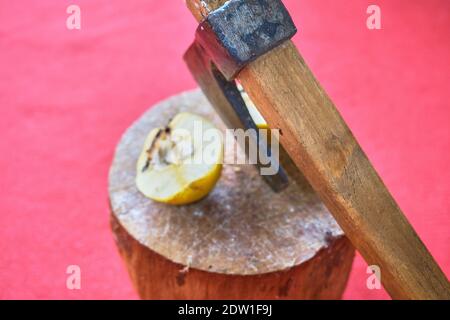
column 325, row 150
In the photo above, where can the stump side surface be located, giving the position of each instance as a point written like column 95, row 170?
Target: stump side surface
column 241, row 228
column 154, row 277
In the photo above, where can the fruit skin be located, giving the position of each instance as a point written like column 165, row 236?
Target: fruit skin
column 196, row 190
column 188, row 192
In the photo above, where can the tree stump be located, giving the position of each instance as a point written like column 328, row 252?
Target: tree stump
column 243, row 241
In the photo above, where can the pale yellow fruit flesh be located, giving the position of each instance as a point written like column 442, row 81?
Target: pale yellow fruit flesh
column 168, row 177
column 254, row 113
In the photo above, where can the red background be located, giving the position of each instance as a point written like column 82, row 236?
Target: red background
column 67, row 96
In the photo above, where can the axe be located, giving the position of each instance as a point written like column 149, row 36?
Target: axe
column 249, row 41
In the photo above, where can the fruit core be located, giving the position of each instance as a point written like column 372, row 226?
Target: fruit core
column 169, row 147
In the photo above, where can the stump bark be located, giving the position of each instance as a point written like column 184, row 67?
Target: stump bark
column 243, row 241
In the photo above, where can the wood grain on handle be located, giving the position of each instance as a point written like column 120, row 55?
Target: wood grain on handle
column 325, row 150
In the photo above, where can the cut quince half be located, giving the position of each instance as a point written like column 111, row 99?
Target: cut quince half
column 174, row 166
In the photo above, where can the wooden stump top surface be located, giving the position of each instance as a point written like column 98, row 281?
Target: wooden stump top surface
column 242, row 227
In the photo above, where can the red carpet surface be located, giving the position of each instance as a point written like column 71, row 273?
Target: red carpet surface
column 66, row 96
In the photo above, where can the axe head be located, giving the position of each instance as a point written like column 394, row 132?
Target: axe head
column 226, row 41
